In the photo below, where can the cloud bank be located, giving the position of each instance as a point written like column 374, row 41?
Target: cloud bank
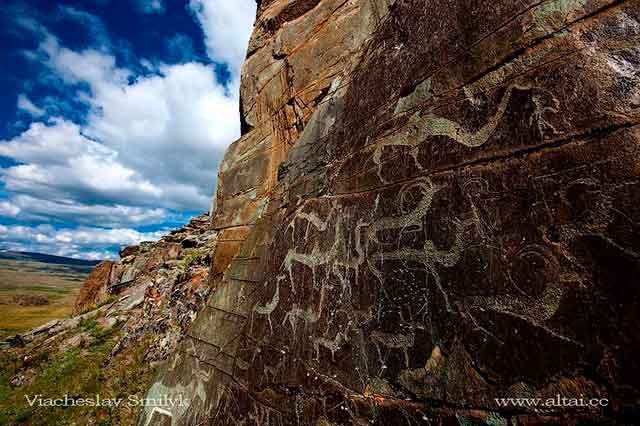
column 146, row 149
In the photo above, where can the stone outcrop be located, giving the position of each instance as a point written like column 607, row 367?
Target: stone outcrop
column 26, row 300
column 434, row 205
column 130, row 316
column 95, row 287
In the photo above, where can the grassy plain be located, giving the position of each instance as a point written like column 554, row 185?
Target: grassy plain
column 58, row 283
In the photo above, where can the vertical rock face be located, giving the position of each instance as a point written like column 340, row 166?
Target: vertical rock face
column 434, row 205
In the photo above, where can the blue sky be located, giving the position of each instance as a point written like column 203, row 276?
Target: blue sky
column 114, row 117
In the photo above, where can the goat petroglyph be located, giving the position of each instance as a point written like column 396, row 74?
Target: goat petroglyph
column 268, row 308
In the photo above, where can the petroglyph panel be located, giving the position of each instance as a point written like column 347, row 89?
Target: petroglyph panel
column 368, row 283
column 463, row 112
column 451, row 218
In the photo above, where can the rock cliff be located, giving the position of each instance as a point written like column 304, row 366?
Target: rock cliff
column 434, row 205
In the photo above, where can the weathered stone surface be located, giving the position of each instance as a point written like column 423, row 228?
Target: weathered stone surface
column 129, row 251
column 95, row 287
column 159, row 288
column 434, row 205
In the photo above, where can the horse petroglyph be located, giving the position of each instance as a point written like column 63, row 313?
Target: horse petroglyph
column 394, row 341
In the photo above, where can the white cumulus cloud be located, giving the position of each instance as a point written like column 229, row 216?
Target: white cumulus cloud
column 57, row 162
column 154, row 142
column 29, row 208
column 83, row 242
column 227, row 26
column 8, row 209
column 146, row 147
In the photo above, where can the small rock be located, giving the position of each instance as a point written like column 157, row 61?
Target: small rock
column 129, row 251
column 16, row 341
column 17, row 381
column 107, row 323
column 72, row 342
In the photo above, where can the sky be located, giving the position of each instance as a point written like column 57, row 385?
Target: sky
column 114, row 117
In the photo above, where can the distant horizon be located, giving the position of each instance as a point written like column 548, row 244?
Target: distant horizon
column 53, row 256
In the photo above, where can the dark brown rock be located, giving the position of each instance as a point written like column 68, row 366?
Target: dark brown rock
column 129, row 251
column 436, row 207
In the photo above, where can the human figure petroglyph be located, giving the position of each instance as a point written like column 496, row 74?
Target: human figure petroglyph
column 541, row 108
column 473, row 189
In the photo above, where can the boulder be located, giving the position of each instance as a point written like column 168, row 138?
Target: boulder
column 129, row 251
column 95, row 286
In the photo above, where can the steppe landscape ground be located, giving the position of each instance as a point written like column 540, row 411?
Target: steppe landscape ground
column 33, row 290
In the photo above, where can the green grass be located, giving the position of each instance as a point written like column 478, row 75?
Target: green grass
column 191, row 256
column 81, row 372
column 74, row 373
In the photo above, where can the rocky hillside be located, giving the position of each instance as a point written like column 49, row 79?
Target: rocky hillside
column 130, row 316
column 434, row 205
